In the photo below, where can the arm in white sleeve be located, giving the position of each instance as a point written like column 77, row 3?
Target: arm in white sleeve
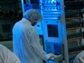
column 35, row 43
column 81, row 60
column 7, row 56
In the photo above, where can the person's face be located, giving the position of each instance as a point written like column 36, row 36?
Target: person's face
column 34, row 23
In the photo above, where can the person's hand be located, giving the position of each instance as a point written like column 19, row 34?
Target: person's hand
column 50, row 55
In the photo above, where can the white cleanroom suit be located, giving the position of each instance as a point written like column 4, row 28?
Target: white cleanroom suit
column 26, row 44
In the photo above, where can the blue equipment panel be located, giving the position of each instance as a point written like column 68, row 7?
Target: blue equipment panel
column 52, row 31
column 53, row 47
column 52, row 28
column 52, row 36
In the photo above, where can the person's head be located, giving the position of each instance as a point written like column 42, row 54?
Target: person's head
column 33, row 16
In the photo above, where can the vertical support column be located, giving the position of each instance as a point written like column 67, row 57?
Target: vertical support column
column 66, row 55
column 22, row 3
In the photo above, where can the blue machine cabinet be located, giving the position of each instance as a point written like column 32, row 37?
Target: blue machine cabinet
column 52, row 28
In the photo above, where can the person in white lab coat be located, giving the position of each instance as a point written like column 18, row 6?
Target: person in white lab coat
column 7, row 56
column 26, row 44
column 79, row 58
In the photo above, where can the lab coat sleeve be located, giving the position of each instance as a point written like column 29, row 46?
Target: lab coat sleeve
column 81, row 60
column 35, row 43
column 7, row 56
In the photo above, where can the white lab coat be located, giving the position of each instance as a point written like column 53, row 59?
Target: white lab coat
column 79, row 58
column 6, row 56
column 26, row 43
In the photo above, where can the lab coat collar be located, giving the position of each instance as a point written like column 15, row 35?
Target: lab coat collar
column 23, row 19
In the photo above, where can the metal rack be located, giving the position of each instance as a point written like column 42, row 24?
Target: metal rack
column 74, row 27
